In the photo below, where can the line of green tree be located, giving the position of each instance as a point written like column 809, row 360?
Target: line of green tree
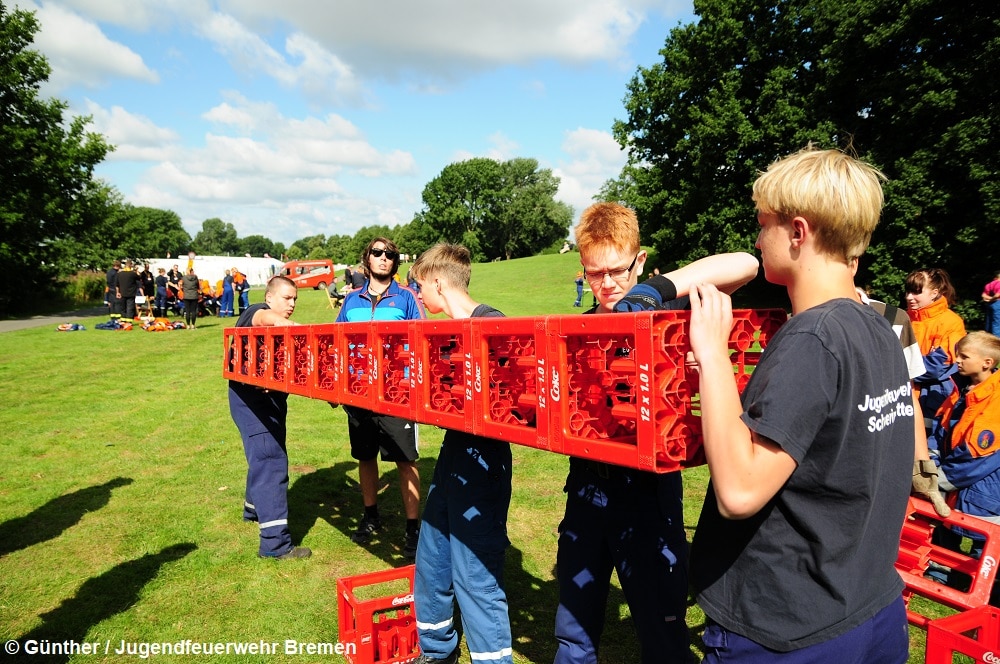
column 909, row 85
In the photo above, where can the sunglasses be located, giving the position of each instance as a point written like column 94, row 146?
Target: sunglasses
column 377, row 253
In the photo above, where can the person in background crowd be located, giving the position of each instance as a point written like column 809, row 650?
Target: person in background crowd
column 161, row 293
column 241, row 289
column 128, row 283
column 226, row 304
column 191, row 290
column 111, row 290
column 938, row 329
column 991, row 298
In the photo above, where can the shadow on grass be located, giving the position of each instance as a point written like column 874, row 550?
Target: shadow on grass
column 329, row 494
column 333, row 496
column 99, row 598
column 54, row 517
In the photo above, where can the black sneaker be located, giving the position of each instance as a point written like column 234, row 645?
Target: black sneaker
column 366, row 530
column 450, row 659
column 410, row 544
column 293, row 553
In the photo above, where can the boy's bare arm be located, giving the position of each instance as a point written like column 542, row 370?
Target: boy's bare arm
column 268, row 318
column 747, row 470
column 727, row 272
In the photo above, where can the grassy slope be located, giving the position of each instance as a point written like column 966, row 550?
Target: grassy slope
column 120, row 499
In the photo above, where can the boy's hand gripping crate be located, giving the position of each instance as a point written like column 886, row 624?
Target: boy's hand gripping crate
column 382, row 630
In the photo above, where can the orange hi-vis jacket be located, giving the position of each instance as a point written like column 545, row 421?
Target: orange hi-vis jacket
column 937, row 326
column 978, row 427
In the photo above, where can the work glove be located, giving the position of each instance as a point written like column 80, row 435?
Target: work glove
column 925, row 485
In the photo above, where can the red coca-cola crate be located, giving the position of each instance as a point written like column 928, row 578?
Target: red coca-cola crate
column 917, row 553
column 509, row 383
column 382, row 629
column 443, row 374
column 974, row 633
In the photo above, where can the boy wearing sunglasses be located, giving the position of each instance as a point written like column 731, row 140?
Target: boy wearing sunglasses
column 382, row 298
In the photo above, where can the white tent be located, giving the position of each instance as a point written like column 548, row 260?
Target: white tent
column 213, row 268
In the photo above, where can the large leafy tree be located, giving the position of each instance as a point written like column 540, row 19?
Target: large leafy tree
column 217, row 238
column 497, row 209
column 908, row 85
column 47, row 190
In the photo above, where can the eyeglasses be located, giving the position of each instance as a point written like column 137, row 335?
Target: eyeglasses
column 377, row 253
column 616, row 275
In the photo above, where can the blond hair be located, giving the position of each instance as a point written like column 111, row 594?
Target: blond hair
column 608, row 224
column 839, row 195
column 986, row 343
column 450, row 262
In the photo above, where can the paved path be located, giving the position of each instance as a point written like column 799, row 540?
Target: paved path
column 54, row 320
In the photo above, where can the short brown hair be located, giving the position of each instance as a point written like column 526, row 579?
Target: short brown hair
column 934, row 278
column 451, row 262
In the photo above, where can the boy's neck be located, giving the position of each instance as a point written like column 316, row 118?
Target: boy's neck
column 819, row 281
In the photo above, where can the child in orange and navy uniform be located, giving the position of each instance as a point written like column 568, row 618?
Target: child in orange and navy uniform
column 964, row 439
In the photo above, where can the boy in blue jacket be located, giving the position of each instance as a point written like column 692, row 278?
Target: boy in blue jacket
column 964, row 441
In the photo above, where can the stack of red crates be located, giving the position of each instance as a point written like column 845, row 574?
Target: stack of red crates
column 610, row 388
column 975, row 630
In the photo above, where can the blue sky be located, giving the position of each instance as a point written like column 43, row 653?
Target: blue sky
column 298, row 117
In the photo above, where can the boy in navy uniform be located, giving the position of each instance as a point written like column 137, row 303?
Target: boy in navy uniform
column 259, row 414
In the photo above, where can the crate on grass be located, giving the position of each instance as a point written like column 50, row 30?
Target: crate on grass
column 974, row 633
column 382, row 628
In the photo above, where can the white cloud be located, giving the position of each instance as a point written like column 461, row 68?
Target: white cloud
column 318, row 73
column 449, row 37
column 80, row 53
column 277, row 176
column 595, row 157
column 135, row 137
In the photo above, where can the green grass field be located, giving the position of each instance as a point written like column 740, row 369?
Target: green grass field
column 121, row 494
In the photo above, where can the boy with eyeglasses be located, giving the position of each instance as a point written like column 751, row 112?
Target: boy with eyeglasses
column 382, row 298
column 620, row 517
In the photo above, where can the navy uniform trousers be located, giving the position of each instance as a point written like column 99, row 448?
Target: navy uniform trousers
column 461, row 551
column 631, row 521
column 260, row 417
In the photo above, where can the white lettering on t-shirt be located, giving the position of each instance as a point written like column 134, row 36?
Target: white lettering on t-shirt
column 889, row 401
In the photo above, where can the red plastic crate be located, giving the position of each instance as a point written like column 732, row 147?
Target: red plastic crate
column 392, row 368
column 511, row 387
column 383, row 630
column 974, row 633
column 442, row 373
column 916, row 552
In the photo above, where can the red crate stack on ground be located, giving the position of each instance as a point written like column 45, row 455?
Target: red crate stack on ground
column 974, row 633
column 917, row 553
column 382, row 629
